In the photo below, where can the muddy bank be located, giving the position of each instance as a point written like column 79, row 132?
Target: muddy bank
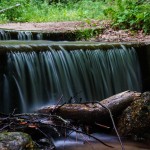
column 101, row 30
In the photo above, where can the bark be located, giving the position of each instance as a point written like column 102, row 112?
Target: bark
column 93, row 112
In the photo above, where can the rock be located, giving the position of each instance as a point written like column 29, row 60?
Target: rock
column 15, row 141
column 135, row 120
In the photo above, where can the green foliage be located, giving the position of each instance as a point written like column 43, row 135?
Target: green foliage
column 125, row 14
column 14, row 14
column 51, row 10
column 61, row 1
column 86, row 34
column 130, row 14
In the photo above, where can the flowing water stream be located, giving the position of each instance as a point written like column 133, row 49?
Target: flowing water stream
column 34, row 78
column 20, row 35
column 82, row 142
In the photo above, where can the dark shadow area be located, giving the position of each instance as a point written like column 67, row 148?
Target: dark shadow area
column 144, row 60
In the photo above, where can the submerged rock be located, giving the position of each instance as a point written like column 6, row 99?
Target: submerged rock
column 15, row 141
column 135, row 120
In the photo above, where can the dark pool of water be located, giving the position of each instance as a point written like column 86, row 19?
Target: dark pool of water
column 82, row 142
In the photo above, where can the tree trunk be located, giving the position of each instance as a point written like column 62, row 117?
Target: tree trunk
column 93, row 112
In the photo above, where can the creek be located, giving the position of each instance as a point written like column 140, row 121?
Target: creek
column 33, row 78
column 37, row 73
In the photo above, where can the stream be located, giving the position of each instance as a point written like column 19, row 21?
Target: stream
column 80, row 142
column 36, row 74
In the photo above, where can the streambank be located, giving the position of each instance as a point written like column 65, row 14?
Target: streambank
column 99, row 31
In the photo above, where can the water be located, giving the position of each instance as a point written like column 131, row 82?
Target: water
column 82, row 142
column 20, row 35
column 24, row 35
column 35, row 79
column 4, row 35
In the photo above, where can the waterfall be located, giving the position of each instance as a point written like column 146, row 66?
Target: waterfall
column 24, row 35
column 20, row 35
column 4, row 35
column 40, row 78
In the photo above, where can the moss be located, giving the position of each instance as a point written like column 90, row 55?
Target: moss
column 16, row 140
column 135, row 120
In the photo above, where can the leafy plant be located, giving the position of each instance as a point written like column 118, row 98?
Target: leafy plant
column 129, row 14
column 51, row 10
column 86, row 34
column 125, row 14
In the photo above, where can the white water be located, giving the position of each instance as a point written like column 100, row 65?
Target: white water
column 41, row 78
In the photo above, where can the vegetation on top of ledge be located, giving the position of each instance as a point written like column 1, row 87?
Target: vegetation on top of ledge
column 125, row 14
column 130, row 14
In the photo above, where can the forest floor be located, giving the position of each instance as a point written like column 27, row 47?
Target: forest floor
column 108, row 34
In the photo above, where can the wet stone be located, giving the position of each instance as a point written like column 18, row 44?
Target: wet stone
column 15, row 141
column 135, row 120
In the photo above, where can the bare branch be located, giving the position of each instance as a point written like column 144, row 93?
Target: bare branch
column 9, row 8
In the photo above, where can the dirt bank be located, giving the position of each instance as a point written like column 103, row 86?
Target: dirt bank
column 108, row 34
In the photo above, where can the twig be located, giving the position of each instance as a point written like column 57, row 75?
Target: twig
column 69, row 101
column 78, row 131
column 34, row 119
column 111, row 116
column 42, row 133
column 60, row 118
column 88, row 142
column 102, row 125
column 6, row 126
column 75, row 95
column 57, row 103
column 12, row 112
column 9, row 8
column 60, row 106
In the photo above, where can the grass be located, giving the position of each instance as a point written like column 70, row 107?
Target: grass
column 124, row 14
column 43, row 12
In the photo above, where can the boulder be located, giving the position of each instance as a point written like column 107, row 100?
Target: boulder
column 135, row 119
column 15, row 141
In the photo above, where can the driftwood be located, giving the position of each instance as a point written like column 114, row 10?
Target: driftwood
column 53, row 121
column 44, row 127
column 94, row 112
column 41, row 127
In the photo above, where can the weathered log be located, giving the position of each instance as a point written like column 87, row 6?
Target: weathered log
column 93, row 112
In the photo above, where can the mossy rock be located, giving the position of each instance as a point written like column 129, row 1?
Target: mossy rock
column 15, row 141
column 135, row 120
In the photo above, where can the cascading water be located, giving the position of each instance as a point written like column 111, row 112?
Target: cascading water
column 25, row 35
column 34, row 79
column 4, row 35
column 20, row 35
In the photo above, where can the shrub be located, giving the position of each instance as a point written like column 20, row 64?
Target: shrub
column 130, row 14
column 57, row 10
column 14, row 14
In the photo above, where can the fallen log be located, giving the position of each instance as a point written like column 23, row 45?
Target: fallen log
column 94, row 112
